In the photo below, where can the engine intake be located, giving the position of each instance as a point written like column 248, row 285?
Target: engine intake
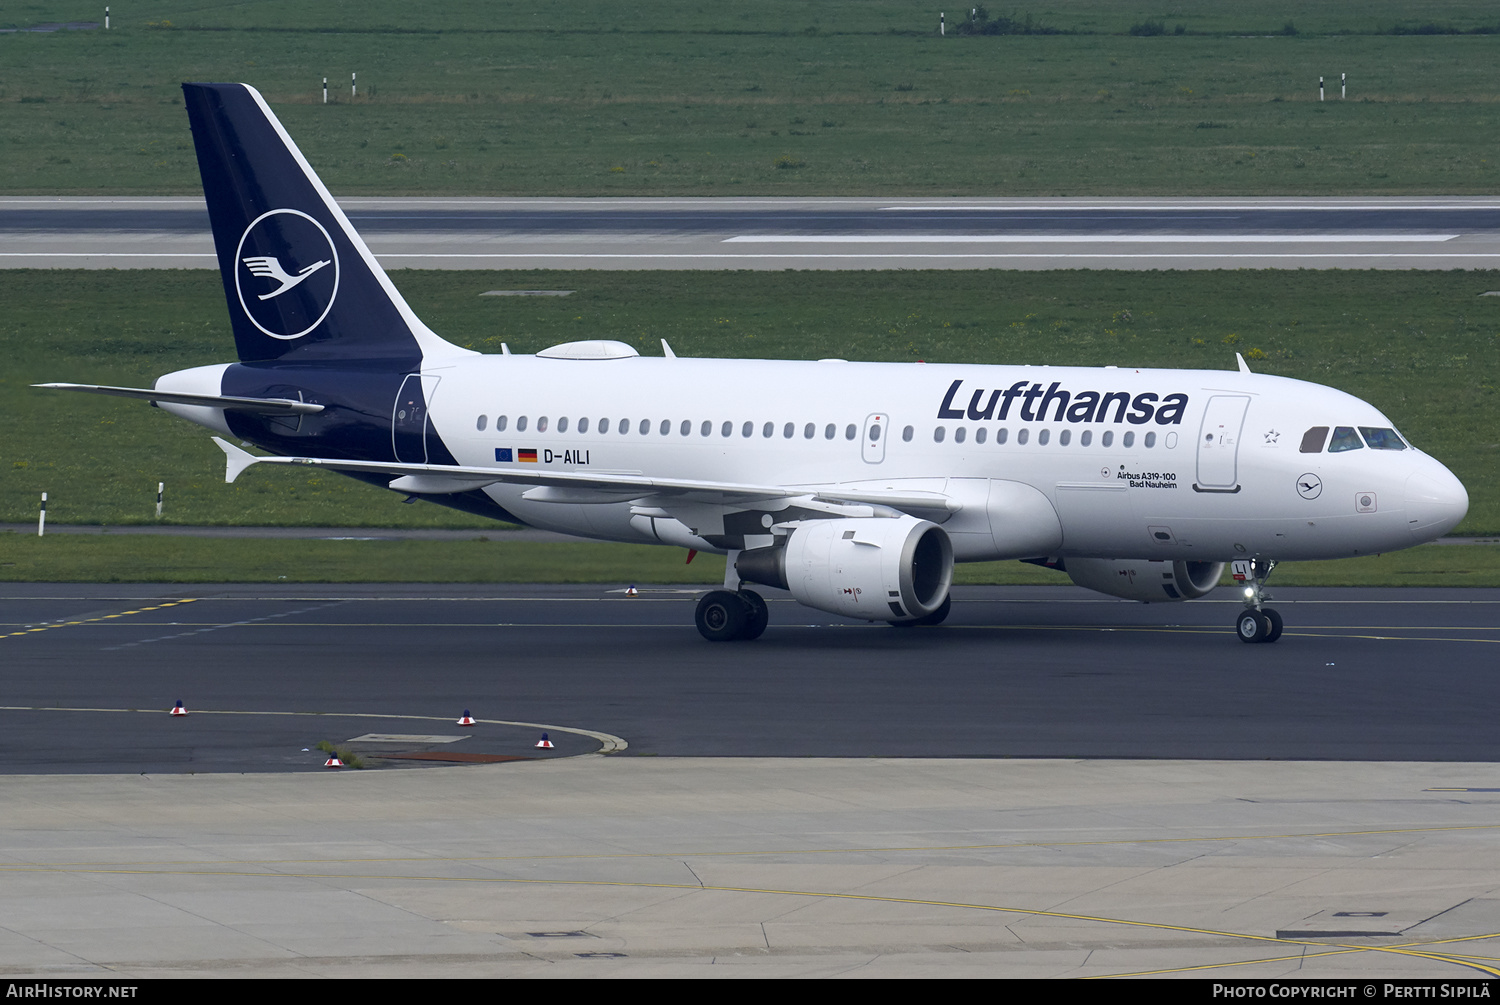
column 866, row 567
column 1146, row 580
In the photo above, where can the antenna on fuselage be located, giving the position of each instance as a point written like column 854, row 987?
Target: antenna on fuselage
column 1244, row 367
column 666, row 350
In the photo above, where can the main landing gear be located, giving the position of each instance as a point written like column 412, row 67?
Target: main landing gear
column 1256, row 622
column 937, row 617
column 724, row 616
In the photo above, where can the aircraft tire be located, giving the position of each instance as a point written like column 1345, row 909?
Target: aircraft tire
column 937, row 617
column 758, row 614
column 721, row 616
column 1275, row 619
column 1252, row 626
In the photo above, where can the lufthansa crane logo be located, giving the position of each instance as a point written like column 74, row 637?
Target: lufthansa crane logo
column 286, row 273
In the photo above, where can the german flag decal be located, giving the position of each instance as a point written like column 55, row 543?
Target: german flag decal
column 526, row 456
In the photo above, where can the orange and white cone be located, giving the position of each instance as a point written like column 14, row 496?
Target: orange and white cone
column 333, row 762
column 544, row 743
column 178, row 710
column 466, row 719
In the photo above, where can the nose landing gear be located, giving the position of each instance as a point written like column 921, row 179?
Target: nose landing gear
column 1256, row 623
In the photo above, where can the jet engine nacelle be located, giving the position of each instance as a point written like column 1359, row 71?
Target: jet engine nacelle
column 880, row 569
column 1145, row 580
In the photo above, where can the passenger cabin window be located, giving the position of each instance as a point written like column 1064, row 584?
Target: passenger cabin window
column 938, row 434
column 1129, row 440
column 1085, row 438
column 562, row 424
column 1150, row 440
column 747, row 429
column 624, row 426
column 480, row 424
column 906, row 434
column 707, row 429
column 828, row 432
column 789, row 430
column 980, row 434
column 603, row 425
column 541, row 424
column 499, row 423
column 1344, row 438
column 687, row 427
column 666, row 426
column 1109, row 438
column 850, row 432
column 583, row 425
column 959, row 434
column 1022, row 436
column 809, row 431
column 768, row 429
column 1313, row 439
column 521, row 424
column 1000, row 435
column 1043, row 437
column 1378, row 439
column 728, row 429
column 1065, row 437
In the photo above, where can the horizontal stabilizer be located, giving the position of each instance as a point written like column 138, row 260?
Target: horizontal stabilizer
column 262, row 406
column 238, row 460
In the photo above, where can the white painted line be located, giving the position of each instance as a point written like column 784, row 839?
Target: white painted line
column 896, row 256
column 1090, row 239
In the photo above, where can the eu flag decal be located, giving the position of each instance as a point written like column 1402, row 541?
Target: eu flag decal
column 502, row 454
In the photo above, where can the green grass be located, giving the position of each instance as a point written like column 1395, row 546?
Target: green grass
column 69, row 558
column 595, row 97
column 1421, row 346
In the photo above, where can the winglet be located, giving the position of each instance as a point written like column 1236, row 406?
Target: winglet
column 666, row 350
column 237, row 460
column 1244, row 367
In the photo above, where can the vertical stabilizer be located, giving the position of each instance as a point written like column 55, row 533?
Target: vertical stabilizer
column 300, row 283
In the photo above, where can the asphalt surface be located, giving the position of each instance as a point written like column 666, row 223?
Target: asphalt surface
column 801, row 233
column 1399, row 675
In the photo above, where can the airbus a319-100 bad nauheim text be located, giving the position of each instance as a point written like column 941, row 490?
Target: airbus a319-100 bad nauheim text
column 854, row 486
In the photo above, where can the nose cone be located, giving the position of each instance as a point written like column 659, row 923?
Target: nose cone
column 1435, row 503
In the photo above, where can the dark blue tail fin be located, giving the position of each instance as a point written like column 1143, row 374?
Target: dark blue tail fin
column 300, row 282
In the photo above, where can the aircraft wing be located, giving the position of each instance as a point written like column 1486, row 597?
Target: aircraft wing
column 581, row 487
column 264, row 406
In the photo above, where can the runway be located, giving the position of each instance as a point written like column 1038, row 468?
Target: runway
column 832, row 800
column 819, row 233
column 1017, row 672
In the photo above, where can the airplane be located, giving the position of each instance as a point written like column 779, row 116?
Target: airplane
column 855, row 487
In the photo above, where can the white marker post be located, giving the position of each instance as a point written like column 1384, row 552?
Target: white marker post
column 352, row 88
column 1343, row 86
column 41, row 520
column 943, row 23
column 325, row 90
column 106, row 19
column 1320, row 88
column 159, row 487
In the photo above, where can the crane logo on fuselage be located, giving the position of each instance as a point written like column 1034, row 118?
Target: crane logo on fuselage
column 286, row 273
column 1065, row 406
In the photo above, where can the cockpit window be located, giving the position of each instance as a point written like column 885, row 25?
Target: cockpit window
column 1382, row 439
column 1312, row 440
column 1344, row 438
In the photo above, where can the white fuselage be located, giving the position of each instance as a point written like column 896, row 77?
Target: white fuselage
column 1218, row 480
